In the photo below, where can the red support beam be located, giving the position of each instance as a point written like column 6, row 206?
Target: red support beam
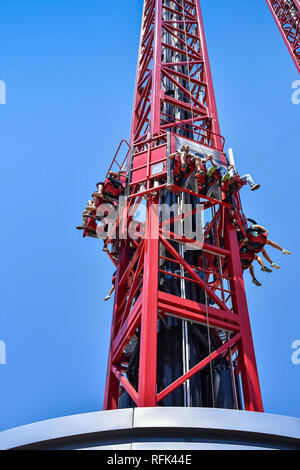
column 128, row 387
column 193, row 311
column 198, row 367
column 148, row 340
column 112, row 384
column 247, row 360
column 126, row 332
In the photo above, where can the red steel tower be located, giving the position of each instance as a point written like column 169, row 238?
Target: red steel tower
column 287, row 16
column 181, row 333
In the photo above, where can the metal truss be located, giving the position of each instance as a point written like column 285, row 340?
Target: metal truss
column 287, row 16
column 174, row 97
column 174, row 83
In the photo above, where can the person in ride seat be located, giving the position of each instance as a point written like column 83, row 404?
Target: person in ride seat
column 207, row 171
column 212, row 166
column 176, row 164
column 232, row 186
column 129, row 280
column 108, row 191
column 236, row 181
column 183, row 161
column 114, row 277
column 200, row 165
column 91, row 230
column 247, row 257
column 86, row 215
column 257, row 239
column 111, row 187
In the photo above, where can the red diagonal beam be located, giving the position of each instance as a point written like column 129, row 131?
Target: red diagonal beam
column 190, row 54
column 182, row 76
column 215, row 250
column 126, row 332
column 202, row 111
column 131, row 264
column 182, row 6
column 184, row 90
column 221, row 203
column 169, row 26
column 133, row 288
column 164, row 393
column 176, row 12
column 190, row 47
column 142, row 121
column 144, row 95
column 128, row 387
column 194, row 276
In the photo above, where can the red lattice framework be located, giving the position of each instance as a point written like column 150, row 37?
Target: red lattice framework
column 174, row 96
column 287, row 16
column 172, row 51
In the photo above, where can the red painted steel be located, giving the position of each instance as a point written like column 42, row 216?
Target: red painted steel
column 174, row 95
column 286, row 14
column 151, row 71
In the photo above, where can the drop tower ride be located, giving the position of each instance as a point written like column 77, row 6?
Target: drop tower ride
column 181, row 333
column 181, row 348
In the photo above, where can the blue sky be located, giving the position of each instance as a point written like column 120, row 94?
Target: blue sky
column 69, row 67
